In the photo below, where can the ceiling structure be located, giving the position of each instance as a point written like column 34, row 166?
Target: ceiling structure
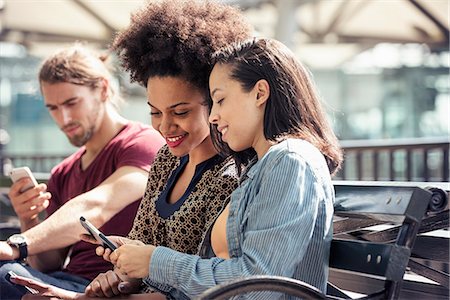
column 324, row 33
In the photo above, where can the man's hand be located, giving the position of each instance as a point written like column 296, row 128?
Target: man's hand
column 7, row 252
column 30, row 203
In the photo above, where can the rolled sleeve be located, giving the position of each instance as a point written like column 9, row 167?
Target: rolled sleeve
column 163, row 265
column 188, row 273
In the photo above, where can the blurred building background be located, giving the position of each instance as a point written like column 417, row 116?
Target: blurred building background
column 382, row 67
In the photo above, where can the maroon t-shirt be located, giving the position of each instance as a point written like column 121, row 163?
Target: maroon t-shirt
column 135, row 145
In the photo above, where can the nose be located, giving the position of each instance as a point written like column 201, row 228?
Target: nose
column 165, row 124
column 66, row 116
column 213, row 116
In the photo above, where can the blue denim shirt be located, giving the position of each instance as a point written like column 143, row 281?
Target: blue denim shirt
column 279, row 223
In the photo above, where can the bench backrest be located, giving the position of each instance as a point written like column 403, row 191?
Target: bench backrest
column 372, row 253
column 364, row 258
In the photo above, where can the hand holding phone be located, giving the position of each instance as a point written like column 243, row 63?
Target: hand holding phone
column 25, row 288
column 97, row 234
column 22, row 172
column 27, row 205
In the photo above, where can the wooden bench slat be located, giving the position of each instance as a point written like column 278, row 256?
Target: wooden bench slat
column 381, row 203
column 387, row 260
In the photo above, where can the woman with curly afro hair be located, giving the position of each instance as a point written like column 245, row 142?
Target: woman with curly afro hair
column 168, row 49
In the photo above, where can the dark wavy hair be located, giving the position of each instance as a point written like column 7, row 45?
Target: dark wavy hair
column 178, row 38
column 293, row 108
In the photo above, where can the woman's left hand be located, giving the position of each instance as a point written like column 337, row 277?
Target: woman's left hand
column 133, row 260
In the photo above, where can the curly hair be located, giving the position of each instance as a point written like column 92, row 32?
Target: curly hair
column 177, row 38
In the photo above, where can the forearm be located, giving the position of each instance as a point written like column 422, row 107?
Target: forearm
column 48, row 261
column 63, row 224
column 98, row 206
column 187, row 273
column 25, row 225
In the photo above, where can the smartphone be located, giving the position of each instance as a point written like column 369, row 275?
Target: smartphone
column 22, row 172
column 97, row 234
column 26, row 289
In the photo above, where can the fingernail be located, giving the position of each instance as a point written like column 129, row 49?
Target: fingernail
column 122, row 287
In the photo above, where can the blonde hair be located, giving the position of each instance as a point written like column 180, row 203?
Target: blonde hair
column 78, row 65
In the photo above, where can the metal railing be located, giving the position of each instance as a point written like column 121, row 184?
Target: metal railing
column 37, row 163
column 418, row 159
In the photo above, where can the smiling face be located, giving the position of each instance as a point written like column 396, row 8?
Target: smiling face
column 180, row 113
column 76, row 109
column 238, row 114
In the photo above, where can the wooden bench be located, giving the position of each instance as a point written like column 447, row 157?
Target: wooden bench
column 376, row 227
column 380, row 231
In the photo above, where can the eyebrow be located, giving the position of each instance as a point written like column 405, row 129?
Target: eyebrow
column 65, row 102
column 172, row 106
column 214, row 91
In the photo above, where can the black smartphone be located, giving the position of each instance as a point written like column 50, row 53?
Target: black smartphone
column 97, row 234
column 25, row 289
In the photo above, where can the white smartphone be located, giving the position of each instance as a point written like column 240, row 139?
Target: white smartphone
column 22, row 172
column 97, row 234
column 24, row 288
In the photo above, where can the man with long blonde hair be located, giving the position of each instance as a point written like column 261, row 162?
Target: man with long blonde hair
column 103, row 181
